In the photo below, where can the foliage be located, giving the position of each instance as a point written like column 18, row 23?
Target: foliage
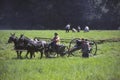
column 52, row 14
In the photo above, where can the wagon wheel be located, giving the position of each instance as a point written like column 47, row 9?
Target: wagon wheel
column 93, row 48
column 49, row 53
column 61, row 50
column 64, row 51
column 52, row 53
column 71, row 45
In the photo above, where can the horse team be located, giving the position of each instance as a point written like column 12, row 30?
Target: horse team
column 24, row 43
column 35, row 45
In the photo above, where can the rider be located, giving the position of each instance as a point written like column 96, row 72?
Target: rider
column 55, row 41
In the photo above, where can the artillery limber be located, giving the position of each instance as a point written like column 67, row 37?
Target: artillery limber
column 82, row 45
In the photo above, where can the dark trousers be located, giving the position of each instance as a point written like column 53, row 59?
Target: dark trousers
column 85, row 54
column 67, row 30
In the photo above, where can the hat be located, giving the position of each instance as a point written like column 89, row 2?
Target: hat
column 22, row 35
column 56, row 33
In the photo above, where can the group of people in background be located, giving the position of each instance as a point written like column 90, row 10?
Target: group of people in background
column 78, row 29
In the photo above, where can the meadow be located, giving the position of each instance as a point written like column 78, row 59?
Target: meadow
column 104, row 66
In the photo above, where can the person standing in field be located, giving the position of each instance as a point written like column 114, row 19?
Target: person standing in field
column 67, row 27
column 85, row 48
column 86, row 29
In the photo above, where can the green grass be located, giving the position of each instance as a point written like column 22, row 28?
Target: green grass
column 94, row 34
column 104, row 66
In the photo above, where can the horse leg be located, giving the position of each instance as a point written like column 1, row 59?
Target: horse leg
column 20, row 55
column 31, row 53
column 17, row 54
column 27, row 54
column 34, row 54
column 41, row 51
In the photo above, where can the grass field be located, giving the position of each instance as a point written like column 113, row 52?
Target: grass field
column 104, row 66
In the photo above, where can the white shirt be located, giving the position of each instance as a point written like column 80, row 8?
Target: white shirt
column 67, row 26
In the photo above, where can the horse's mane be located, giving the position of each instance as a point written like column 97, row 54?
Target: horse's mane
column 26, row 37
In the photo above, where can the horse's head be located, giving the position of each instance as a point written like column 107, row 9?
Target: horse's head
column 24, row 40
column 12, row 38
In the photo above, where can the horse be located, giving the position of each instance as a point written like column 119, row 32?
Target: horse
column 33, row 46
column 24, row 43
column 17, row 45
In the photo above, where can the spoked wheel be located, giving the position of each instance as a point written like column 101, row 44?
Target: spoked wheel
column 64, row 51
column 49, row 52
column 93, row 47
column 71, row 50
column 61, row 51
column 52, row 53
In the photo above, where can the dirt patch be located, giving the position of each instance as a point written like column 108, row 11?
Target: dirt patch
column 107, row 40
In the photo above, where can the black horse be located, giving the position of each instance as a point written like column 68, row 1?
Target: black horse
column 33, row 46
column 24, row 43
column 17, row 45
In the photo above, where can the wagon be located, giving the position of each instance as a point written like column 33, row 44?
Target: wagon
column 52, row 51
